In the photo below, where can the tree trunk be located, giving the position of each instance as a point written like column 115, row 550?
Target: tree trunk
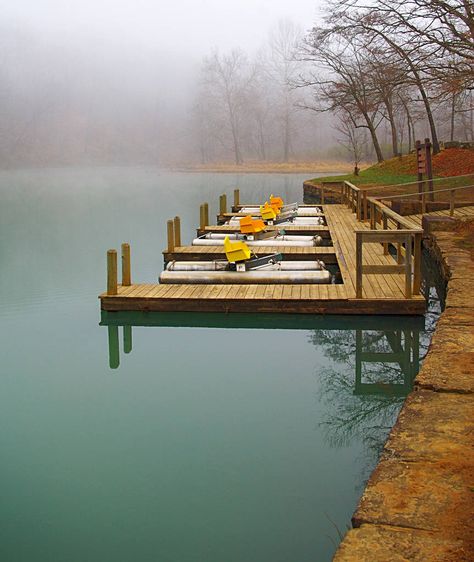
column 393, row 126
column 373, row 134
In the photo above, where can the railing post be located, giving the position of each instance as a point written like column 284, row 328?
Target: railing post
column 322, row 195
column 206, row 214
column 112, row 272
column 408, row 266
column 417, row 264
column 399, row 248
column 423, row 203
column 236, row 197
column 366, row 210
column 358, row 265
column 372, row 215
column 126, row 271
column 384, row 223
column 359, row 206
column 170, row 231
column 177, row 231
column 451, row 203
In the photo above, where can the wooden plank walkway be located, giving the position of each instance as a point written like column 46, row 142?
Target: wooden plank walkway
column 383, row 294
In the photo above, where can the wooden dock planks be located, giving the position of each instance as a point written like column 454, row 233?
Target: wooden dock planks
column 382, row 293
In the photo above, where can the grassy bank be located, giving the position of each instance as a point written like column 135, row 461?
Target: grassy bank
column 450, row 162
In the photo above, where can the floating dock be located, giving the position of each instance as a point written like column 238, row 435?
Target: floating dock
column 372, row 280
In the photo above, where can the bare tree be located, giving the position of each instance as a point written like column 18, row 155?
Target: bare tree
column 345, row 84
column 351, row 139
column 282, row 67
column 227, row 79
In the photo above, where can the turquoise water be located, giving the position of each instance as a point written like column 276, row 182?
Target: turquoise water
column 214, row 438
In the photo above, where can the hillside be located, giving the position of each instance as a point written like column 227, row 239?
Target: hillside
column 449, row 162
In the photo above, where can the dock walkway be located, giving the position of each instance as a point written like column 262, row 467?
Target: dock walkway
column 382, row 293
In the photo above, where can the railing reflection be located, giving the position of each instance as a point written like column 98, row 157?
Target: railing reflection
column 386, row 349
column 400, row 348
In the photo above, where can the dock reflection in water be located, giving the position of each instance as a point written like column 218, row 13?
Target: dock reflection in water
column 385, row 350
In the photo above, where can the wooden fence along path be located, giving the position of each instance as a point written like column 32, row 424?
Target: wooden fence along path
column 374, row 280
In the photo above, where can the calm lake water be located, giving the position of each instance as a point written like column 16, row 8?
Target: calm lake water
column 217, row 438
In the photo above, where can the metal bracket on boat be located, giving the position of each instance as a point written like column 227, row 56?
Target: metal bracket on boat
column 257, row 262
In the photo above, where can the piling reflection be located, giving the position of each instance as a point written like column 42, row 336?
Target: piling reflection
column 393, row 342
column 372, row 363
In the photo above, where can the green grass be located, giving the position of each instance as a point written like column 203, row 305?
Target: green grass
column 372, row 176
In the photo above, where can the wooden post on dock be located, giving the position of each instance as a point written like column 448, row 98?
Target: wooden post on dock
column 236, row 197
column 417, row 264
column 408, row 266
column 170, row 232
column 126, row 270
column 112, row 272
column 399, row 248
column 202, row 220
column 366, row 211
column 385, row 226
column 177, row 231
column 223, row 204
column 358, row 265
column 359, row 206
column 451, row 203
column 206, row 214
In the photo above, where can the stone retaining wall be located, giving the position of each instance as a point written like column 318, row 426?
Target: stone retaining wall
column 419, row 502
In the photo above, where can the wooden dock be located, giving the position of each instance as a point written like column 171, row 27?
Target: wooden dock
column 373, row 281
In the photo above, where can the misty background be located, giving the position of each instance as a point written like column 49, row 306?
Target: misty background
column 201, row 82
column 114, row 82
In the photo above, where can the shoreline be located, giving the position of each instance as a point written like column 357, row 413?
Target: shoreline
column 419, row 503
column 332, row 168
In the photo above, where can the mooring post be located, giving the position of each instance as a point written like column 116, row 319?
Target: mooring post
column 206, row 214
column 127, row 339
column 112, row 272
column 126, row 269
column 170, row 231
column 236, row 197
column 358, row 265
column 114, row 350
column 223, row 204
column 202, row 220
column 177, row 231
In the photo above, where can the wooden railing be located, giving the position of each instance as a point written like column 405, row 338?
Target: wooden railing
column 410, row 239
column 423, row 194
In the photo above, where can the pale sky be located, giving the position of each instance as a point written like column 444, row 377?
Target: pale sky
column 184, row 27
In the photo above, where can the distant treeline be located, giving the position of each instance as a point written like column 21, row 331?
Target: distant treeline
column 363, row 85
